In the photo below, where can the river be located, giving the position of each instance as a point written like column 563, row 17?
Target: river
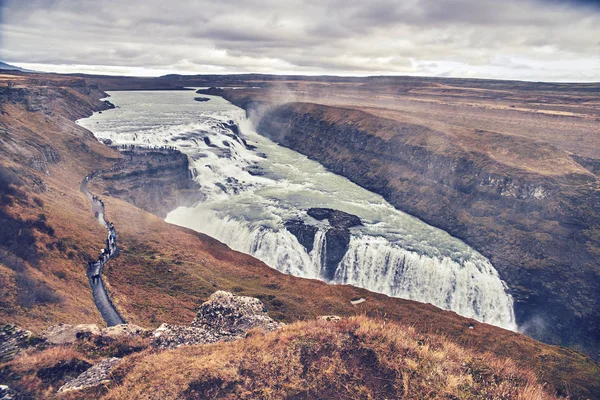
column 254, row 188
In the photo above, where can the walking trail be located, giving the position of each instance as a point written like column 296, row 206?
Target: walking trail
column 94, row 268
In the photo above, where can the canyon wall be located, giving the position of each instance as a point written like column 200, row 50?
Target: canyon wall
column 155, row 180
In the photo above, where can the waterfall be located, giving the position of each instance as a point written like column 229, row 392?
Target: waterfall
column 317, row 255
column 276, row 248
column 471, row 288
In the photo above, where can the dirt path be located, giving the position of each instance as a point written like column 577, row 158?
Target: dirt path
column 94, row 269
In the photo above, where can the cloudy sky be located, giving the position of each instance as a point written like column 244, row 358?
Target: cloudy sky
column 552, row 40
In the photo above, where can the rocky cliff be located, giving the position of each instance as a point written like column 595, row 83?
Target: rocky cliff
column 156, row 180
column 541, row 231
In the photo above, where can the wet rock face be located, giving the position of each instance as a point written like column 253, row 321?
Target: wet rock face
column 337, row 219
column 337, row 241
column 224, row 317
column 303, row 232
column 337, row 238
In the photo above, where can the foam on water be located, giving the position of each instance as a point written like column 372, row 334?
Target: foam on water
column 252, row 188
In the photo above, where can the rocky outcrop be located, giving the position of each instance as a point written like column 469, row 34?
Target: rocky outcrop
column 226, row 314
column 6, row 393
column 337, row 238
column 63, row 371
column 66, row 333
column 123, row 330
column 329, row 318
column 92, row 377
column 224, row 317
column 169, row 336
column 12, row 340
column 156, row 180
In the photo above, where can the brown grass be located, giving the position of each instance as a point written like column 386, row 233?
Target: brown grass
column 38, row 374
column 355, row 358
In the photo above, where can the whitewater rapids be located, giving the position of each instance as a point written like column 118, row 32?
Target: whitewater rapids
column 253, row 186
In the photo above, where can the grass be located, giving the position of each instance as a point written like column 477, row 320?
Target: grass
column 357, row 358
column 39, row 374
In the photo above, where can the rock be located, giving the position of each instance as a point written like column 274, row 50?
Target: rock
column 357, row 301
column 224, row 316
column 337, row 237
column 122, row 330
column 227, row 314
column 337, row 243
column 337, row 219
column 304, row 233
column 12, row 340
column 65, row 333
column 94, row 376
column 329, row 318
column 63, row 371
column 6, row 393
column 171, row 336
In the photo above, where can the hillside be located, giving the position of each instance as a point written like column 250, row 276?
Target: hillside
column 355, row 358
column 9, row 67
column 163, row 272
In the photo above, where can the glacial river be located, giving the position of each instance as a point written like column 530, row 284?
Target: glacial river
column 253, row 186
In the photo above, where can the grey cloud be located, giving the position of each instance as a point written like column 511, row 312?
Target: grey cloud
column 508, row 39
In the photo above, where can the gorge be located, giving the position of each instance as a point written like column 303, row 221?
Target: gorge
column 299, row 218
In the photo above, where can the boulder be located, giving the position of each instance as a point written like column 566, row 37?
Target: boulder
column 94, row 376
column 123, row 330
column 224, row 317
column 66, row 333
column 226, row 314
column 329, row 318
column 169, row 336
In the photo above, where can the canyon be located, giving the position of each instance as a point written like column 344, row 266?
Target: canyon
column 164, row 271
